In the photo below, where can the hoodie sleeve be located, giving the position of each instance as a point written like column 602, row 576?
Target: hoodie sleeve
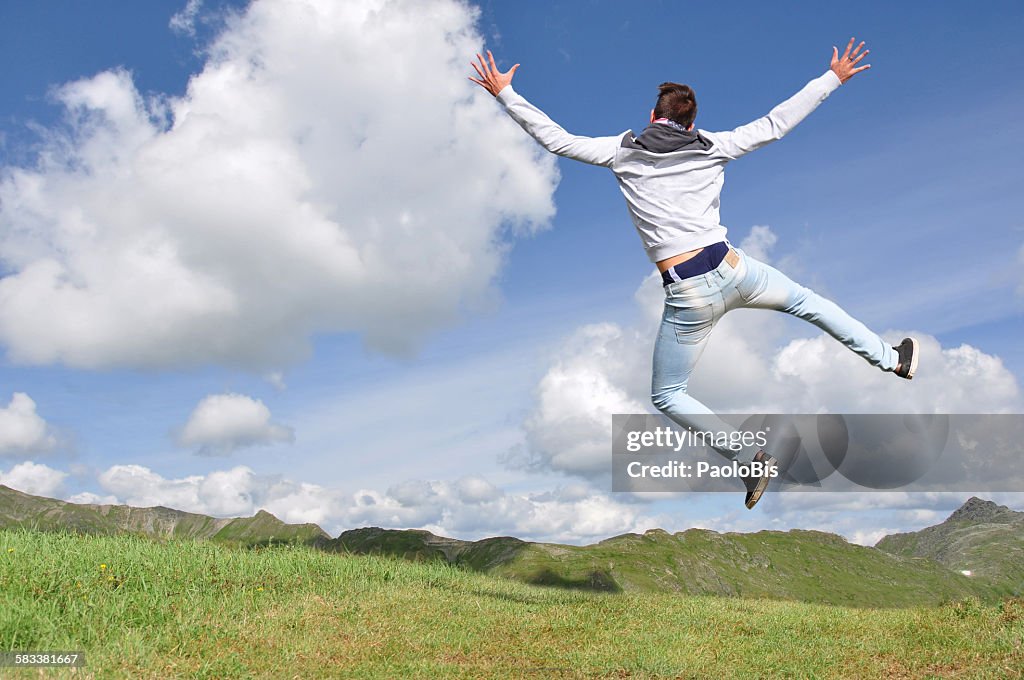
column 593, row 150
column 779, row 120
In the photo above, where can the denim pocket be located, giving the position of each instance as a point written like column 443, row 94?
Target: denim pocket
column 751, row 282
column 691, row 324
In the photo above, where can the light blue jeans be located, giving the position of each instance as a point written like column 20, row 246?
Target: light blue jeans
column 693, row 307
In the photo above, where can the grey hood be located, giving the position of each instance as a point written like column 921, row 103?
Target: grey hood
column 661, row 138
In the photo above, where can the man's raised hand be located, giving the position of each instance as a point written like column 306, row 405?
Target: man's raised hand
column 491, row 79
column 846, row 67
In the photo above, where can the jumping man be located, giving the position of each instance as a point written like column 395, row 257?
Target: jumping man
column 671, row 176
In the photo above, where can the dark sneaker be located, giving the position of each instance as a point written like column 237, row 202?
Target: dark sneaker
column 908, row 352
column 756, row 484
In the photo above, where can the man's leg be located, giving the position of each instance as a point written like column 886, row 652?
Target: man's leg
column 685, row 328
column 764, row 287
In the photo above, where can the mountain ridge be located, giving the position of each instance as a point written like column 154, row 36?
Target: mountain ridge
column 19, row 509
column 798, row 564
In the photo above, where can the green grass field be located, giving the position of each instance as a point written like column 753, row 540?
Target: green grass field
column 143, row 609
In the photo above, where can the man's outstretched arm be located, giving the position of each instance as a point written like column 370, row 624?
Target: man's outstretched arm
column 593, row 150
column 789, row 113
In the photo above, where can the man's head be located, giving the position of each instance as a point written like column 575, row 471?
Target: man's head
column 677, row 103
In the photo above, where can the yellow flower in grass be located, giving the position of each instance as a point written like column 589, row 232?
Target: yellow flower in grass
column 260, row 589
column 103, row 567
column 10, row 550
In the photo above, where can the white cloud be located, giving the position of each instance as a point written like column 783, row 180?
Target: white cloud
column 815, row 373
column 184, row 21
column 469, row 507
column 221, row 423
column 22, row 430
column 749, row 366
column 759, row 242
column 218, row 493
column 34, row 478
column 443, row 508
column 331, row 169
column 473, row 490
column 599, row 372
column 473, row 508
column 91, row 498
column 276, row 380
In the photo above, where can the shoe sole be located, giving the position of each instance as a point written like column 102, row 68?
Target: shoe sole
column 755, row 496
column 913, row 358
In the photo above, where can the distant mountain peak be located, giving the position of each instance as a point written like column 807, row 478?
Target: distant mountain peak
column 981, row 537
column 980, row 511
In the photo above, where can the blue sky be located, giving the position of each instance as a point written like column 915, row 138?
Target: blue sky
column 898, row 198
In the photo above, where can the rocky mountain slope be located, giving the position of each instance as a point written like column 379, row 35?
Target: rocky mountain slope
column 981, row 537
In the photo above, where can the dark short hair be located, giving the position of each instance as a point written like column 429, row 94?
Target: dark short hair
column 676, row 102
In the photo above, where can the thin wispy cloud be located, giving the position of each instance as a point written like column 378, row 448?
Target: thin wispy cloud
column 183, row 22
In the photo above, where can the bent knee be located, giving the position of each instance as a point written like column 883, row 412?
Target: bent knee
column 662, row 399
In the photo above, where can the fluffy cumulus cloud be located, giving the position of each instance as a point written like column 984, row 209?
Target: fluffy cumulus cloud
column 597, row 373
column 750, row 365
column 34, row 478
column 470, row 507
column 221, row 492
column 22, row 429
column 330, row 169
column 92, row 498
column 221, row 423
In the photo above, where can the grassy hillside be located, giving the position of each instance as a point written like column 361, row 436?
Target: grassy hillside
column 802, row 565
column 180, row 608
column 981, row 537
